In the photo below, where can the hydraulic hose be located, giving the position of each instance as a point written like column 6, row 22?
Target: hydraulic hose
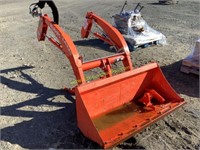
column 53, row 7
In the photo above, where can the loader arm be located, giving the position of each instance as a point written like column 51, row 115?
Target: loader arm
column 66, row 45
column 112, row 36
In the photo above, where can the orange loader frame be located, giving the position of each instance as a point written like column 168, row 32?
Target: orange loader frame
column 67, row 46
column 113, row 108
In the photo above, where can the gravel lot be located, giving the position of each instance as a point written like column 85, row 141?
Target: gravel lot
column 36, row 114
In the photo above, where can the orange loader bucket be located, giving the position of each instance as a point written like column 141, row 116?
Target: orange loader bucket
column 113, row 109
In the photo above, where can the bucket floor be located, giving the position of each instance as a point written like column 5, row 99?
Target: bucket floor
column 127, row 120
column 116, row 116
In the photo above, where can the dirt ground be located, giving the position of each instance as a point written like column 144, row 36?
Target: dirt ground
column 36, row 114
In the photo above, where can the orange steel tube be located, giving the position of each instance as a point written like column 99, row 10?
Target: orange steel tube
column 101, row 62
column 55, row 43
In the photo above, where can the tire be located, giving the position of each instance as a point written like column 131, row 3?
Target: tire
column 145, row 45
column 131, row 47
column 156, row 42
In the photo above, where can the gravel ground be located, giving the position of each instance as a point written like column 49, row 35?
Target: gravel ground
column 36, row 114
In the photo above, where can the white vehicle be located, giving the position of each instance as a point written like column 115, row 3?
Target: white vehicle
column 135, row 30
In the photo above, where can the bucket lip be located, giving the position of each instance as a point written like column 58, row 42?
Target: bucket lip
column 145, row 125
column 101, row 82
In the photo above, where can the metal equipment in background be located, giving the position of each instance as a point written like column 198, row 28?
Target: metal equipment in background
column 135, row 30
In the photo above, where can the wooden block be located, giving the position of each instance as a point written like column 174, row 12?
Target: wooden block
column 190, row 62
column 193, row 59
column 188, row 70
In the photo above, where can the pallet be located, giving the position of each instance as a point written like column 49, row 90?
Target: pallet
column 190, row 66
column 188, row 70
column 134, row 47
column 190, row 62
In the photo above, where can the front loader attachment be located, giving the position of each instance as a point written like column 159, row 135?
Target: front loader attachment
column 111, row 110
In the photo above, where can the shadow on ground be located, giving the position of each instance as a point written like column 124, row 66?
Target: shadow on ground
column 55, row 129
column 58, row 129
column 95, row 43
column 159, row 4
column 182, row 83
